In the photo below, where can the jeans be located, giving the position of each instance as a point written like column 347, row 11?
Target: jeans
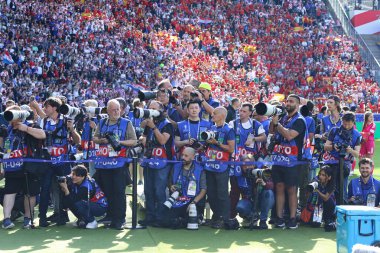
column 266, row 202
column 85, row 211
column 155, row 182
column 217, row 192
column 46, row 181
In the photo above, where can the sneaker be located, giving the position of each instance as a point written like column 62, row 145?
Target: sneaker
column 118, row 225
column 263, row 224
column 231, row 224
column 246, row 223
column 92, row 225
column 218, row 224
column 15, row 215
column 43, row 222
column 146, row 222
column 7, row 223
column 272, row 221
column 106, row 220
column 330, row 227
column 27, row 223
column 280, row 223
column 292, row 224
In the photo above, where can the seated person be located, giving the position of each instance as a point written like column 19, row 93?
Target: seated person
column 188, row 186
column 321, row 202
column 258, row 199
column 364, row 190
column 83, row 197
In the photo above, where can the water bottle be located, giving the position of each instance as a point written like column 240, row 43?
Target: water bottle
column 371, row 200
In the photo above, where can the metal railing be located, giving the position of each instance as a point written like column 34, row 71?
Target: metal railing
column 350, row 31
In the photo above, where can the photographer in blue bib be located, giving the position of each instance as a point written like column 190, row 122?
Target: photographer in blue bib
column 59, row 130
column 249, row 135
column 208, row 104
column 290, row 141
column 17, row 178
column 343, row 141
column 158, row 140
column 112, row 137
column 187, row 186
column 83, row 197
column 364, row 190
column 221, row 144
column 188, row 131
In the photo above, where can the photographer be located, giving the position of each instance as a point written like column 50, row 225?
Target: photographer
column 83, row 197
column 159, row 145
column 207, row 102
column 189, row 180
column 331, row 120
column 188, row 132
column 168, row 101
column 249, row 135
column 364, row 190
column 256, row 187
column 343, row 141
column 321, row 202
column 17, row 180
column 220, row 148
column 112, row 137
column 58, row 130
column 290, row 140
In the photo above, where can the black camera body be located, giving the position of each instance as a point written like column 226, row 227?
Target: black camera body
column 196, row 144
column 3, row 131
column 342, row 147
column 136, row 150
column 111, row 138
column 358, row 201
column 62, row 179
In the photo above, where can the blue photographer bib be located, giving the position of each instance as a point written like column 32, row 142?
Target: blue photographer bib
column 14, row 148
column 104, row 151
column 59, row 147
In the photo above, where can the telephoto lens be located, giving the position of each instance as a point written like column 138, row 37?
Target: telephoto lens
column 192, row 223
column 312, row 186
column 170, row 201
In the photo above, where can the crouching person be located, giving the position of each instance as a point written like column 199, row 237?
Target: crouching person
column 83, row 197
column 187, row 189
column 321, row 202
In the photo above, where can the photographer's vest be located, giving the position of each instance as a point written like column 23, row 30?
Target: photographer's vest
column 327, row 123
column 287, row 151
column 189, row 186
column 241, row 136
column 215, row 153
column 159, row 152
column 60, row 142
column 357, row 189
column 203, row 114
column 188, row 130
column 333, row 154
column 104, row 151
column 308, row 153
column 14, row 148
column 96, row 195
column 136, row 122
column 87, row 144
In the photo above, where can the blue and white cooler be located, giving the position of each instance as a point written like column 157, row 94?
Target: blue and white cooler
column 356, row 224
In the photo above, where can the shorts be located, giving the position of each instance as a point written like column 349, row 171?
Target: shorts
column 19, row 184
column 287, row 175
column 367, row 148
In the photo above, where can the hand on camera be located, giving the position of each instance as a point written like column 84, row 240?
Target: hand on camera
column 275, row 119
column 103, row 141
column 212, row 141
column 20, row 126
column 150, row 123
column 260, row 181
column 70, row 125
column 92, row 125
column 173, row 188
column 349, row 149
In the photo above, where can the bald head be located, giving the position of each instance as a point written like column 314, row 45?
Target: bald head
column 188, row 155
column 219, row 115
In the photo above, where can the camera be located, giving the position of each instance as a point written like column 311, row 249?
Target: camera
column 144, row 95
column 312, row 186
column 139, row 113
column 76, row 157
column 207, row 135
column 111, row 138
column 136, row 150
column 269, row 110
column 259, row 173
column 70, row 111
column 170, row 201
column 3, row 131
column 193, row 95
column 15, row 114
column 358, row 200
column 62, row 179
column 99, row 117
column 342, row 147
column 192, row 222
column 95, row 110
column 196, row 144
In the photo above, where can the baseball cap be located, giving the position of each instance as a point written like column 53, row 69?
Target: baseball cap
column 205, row 86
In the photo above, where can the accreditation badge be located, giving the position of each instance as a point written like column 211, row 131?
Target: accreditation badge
column 192, row 188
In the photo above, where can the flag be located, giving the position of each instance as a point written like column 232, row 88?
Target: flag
column 7, row 58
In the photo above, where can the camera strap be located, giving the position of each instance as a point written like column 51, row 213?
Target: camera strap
column 198, row 128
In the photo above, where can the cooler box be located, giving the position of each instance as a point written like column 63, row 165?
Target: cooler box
column 356, row 224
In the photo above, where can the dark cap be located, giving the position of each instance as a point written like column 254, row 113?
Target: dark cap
column 335, row 98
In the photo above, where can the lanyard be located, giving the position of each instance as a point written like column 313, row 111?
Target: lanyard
column 188, row 126
column 361, row 188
